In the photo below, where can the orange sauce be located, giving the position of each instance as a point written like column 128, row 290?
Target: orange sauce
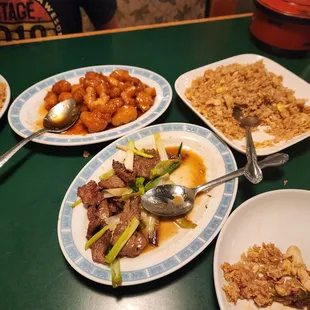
column 41, row 114
column 77, row 129
column 193, row 172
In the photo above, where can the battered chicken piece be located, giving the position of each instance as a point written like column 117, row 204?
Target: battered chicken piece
column 95, row 121
column 103, row 88
column 135, row 81
column 94, row 75
column 119, row 102
column 140, row 87
column 50, row 100
column 101, row 101
column 144, row 101
column 121, row 75
column 84, row 107
column 91, row 83
column 90, row 96
column 150, row 91
column 108, row 108
column 61, row 86
column 128, row 94
column 78, row 95
column 115, row 92
column 75, row 87
column 63, row 96
column 124, row 115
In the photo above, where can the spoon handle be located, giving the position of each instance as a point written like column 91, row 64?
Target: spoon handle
column 7, row 155
column 252, row 170
column 270, row 161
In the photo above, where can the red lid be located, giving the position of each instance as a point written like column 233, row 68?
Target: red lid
column 296, row 8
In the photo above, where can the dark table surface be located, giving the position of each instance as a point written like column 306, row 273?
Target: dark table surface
column 34, row 274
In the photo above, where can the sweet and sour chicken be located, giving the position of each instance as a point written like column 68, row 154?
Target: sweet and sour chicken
column 116, row 99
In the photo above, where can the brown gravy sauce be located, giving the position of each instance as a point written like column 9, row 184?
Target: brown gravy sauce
column 193, row 171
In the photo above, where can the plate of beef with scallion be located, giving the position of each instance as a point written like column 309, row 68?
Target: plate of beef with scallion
column 103, row 230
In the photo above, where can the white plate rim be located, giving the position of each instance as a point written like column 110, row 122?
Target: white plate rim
column 8, row 96
column 150, row 116
column 211, row 232
column 234, row 214
column 260, row 151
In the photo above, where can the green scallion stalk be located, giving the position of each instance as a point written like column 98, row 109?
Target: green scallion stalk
column 107, row 175
column 155, row 181
column 183, row 222
column 76, row 203
column 135, row 150
column 96, row 236
column 160, row 146
column 180, row 149
column 116, row 273
column 122, row 240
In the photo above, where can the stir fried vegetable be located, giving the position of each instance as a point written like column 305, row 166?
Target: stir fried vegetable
column 152, row 227
column 162, row 167
column 129, row 156
column 117, row 192
column 184, row 222
column 180, row 149
column 116, row 273
column 135, row 150
column 76, row 203
column 154, row 182
column 160, row 146
column 107, row 175
column 122, row 240
column 139, row 185
column 113, row 220
column 97, row 236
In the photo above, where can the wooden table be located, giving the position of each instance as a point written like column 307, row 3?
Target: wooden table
column 34, row 273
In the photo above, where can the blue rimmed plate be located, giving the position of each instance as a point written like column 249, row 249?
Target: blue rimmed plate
column 182, row 247
column 24, row 113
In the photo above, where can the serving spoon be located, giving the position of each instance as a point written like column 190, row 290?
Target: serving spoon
column 60, row 118
column 174, row 200
column 252, row 171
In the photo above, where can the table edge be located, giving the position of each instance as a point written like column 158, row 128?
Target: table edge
column 126, row 29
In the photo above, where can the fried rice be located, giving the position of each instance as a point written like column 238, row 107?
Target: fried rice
column 261, row 93
column 2, row 94
column 266, row 275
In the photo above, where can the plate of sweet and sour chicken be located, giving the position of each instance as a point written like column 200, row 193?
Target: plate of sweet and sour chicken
column 115, row 100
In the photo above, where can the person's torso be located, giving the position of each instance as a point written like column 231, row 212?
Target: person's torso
column 26, row 19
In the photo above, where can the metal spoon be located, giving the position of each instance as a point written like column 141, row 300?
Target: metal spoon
column 60, row 118
column 251, row 171
column 174, row 200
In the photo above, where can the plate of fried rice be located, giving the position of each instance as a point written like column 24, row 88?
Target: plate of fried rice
column 262, row 87
column 5, row 95
column 262, row 255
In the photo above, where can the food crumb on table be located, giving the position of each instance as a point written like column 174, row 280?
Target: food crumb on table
column 86, row 154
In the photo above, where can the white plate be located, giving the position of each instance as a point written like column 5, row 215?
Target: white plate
column 290, row 80
column 8, row 96
column 24, row 111
column 179, row 249
column 280, row 216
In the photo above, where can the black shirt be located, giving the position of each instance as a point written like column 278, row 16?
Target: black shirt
column 25, row 19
